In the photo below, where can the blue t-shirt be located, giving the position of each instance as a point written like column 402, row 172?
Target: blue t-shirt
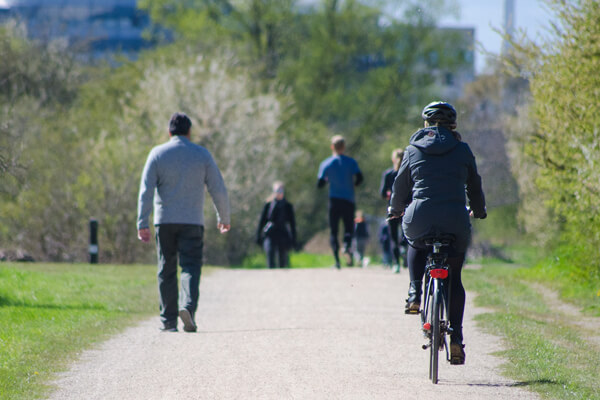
column 339, row 171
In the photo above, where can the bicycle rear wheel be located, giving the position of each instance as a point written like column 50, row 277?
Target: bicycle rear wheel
column 436, row 331
column 426, row 315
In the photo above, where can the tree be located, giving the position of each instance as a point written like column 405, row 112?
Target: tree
column 565, row 142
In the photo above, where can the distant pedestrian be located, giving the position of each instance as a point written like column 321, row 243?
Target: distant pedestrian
column 276, row 231
column 174, row 178
column 342, row 174
column 385, row 240
column 361, row 237
column 399, row 244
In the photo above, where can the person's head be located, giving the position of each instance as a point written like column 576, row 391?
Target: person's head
column 278, row 190
column 397, row 158
column 179, row 124
column 338, row 144
column 439, row 113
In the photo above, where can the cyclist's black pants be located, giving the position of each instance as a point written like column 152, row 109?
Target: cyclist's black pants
column 417, row 258
column 344, row 210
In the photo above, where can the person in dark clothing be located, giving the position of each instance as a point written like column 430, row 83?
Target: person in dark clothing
column 385, row 240
column 277, row 228
column 385, row 189
column 342, row 174
column 361, row 237
column 429, row 191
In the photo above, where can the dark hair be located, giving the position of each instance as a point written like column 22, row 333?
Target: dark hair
column 439, row 112
column 179, row 124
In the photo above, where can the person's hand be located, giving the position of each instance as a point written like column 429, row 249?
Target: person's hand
column 478, row 216
column 144, row 234
column 223, row 228
column 393, row 215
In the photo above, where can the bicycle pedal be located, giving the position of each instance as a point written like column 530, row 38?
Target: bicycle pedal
column 409, row 311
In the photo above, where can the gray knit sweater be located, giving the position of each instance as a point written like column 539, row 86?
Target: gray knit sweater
column 174, row 177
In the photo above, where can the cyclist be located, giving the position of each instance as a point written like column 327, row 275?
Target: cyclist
column 429, row 191
column 342, row 174
column 385, row 189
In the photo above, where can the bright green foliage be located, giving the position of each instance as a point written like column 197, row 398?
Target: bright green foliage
column 50, row 312
column 267, row 83
column 297, row 260
column 566, row 143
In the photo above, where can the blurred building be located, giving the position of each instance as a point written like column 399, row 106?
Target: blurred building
column 92, row 28
column 453, row 81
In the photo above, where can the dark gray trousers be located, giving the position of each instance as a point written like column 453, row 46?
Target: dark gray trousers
column 277, row 250
column 185, row 242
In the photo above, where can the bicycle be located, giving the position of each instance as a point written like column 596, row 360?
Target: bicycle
column 434, row 315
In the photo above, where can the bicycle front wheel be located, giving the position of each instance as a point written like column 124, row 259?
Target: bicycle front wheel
column 436, row 331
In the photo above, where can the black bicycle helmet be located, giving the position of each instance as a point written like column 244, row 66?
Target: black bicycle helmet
column 439, row 111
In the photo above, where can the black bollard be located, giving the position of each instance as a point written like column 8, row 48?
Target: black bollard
column 93, row 241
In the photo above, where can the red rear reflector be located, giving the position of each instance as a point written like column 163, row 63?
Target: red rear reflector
column 427, row 326
column 439, row 273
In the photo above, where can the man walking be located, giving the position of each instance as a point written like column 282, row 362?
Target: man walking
column 342, row 174
column 174, row 178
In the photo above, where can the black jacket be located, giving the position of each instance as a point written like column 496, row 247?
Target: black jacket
column 430, row 187
column 280, row 213
column 387, row 180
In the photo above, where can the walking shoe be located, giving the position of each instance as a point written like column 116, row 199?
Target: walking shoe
column 349, row 258
column 457, row 354
column 169, row 327
column 188, row 322
column 397, row 268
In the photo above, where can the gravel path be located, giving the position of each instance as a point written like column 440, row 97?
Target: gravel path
column 289, row 334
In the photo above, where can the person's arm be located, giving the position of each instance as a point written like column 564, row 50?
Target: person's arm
column 383, row 189
column 474, row 189
column 358, row 174
column 218, row 192
column 146, row 198
column 261, row 223
column 358, row 178
column 402, row 187
column 292, row 220
column 322, row 176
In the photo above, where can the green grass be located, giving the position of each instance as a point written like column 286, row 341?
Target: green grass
column 546, row 352
column 297, row 260
column 581, row 288
column 49, row 312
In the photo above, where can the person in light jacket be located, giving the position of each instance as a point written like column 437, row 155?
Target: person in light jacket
column 172, row 184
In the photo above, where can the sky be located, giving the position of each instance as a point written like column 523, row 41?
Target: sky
column 532, row 16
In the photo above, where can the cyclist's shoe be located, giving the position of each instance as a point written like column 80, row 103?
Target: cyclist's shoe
column 457, row 354
column 412, row 308
column 188, row 321
column 414, row 297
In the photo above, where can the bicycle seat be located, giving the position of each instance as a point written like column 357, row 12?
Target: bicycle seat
column 445, row 239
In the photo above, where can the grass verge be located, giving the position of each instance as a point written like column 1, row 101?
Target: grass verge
column 547, row 353
column 49, row 312
column 297, row 260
